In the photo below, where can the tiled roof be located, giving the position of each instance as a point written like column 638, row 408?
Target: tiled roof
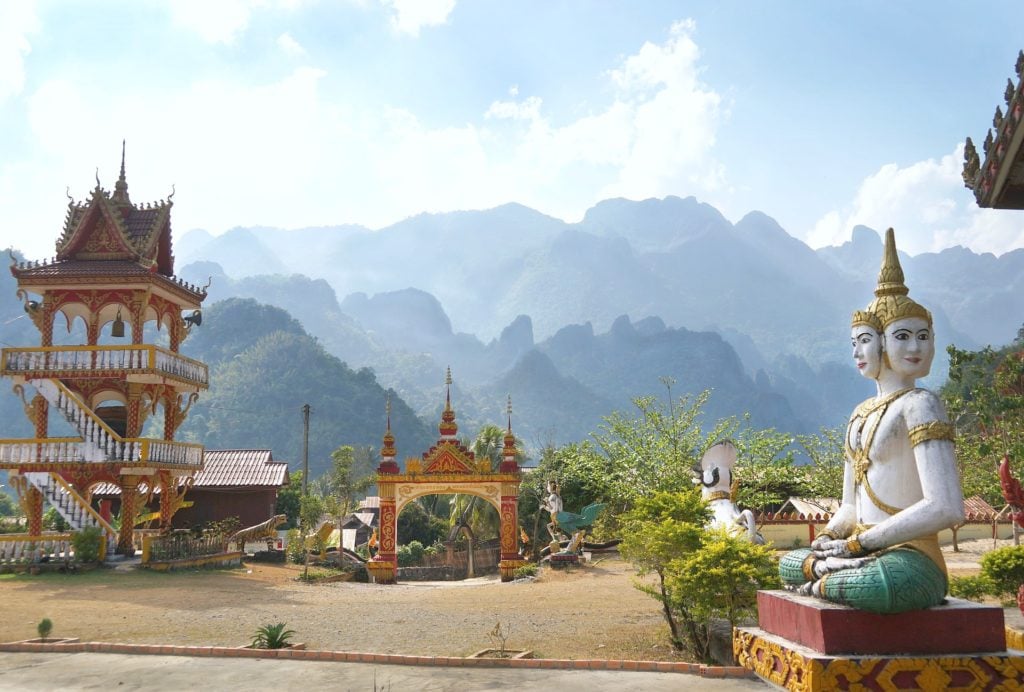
column 141, row 223
column 65, row 270
column 977, row 507
column 239, row 468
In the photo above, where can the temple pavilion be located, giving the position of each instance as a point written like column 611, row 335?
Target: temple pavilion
column 112, row 276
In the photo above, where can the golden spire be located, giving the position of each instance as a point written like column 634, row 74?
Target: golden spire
column 121, row 187
column 448, row 427
column 387, row 451
column 891, row 301
column 510, row 440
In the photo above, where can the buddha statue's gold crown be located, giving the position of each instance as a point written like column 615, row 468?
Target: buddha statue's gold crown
column 891, row 301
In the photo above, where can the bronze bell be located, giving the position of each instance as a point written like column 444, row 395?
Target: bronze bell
column 117, row 329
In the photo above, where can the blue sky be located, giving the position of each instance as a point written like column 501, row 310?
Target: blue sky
column 291, row 113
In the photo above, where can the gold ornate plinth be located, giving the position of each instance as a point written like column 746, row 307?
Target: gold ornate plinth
column 509, row 567
column 794, row 667
column 381, row 572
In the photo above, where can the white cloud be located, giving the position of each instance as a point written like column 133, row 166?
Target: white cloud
column 288, row 153
column 216, row 21
column 17, row 22
column 290, row 46
column 928, row 206
column 409, row 16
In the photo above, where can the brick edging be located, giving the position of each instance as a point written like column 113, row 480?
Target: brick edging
column 387, row 659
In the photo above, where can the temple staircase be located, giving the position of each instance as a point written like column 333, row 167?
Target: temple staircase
column 74, row 508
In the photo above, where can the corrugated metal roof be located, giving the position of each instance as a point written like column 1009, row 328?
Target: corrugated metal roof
column 371, row 502
column 241, row 467
column 229, row 468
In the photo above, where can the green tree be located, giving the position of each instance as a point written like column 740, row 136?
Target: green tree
column 984, row 397
column 699, row 575
column 311, row 510
column 289, row 499
column 347, row 480
column 658, row 530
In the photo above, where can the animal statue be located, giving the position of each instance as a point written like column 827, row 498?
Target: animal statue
column 319, row 538
column 576, row 525
column 716, row 480
column 266, row 529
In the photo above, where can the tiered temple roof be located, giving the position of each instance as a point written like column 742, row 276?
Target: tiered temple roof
column 996, row 176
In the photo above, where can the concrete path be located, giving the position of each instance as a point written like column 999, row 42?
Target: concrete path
column 89, row 671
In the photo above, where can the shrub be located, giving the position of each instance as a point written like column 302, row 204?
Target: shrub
column 87, row 543
column 296, row 547
column 410, row 553
column 53, row 521
column 272, row 637
column 1004, row 568
column 44, row 628
column 972, row 588
column 528, row 570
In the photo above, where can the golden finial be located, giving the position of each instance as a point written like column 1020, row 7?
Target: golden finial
column 387, row 409
column 448, row 391
column 891, row 301
column 890, row 276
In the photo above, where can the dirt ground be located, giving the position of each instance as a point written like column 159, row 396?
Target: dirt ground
column 589, row 612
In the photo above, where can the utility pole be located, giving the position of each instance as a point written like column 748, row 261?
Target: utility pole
column 305, row 449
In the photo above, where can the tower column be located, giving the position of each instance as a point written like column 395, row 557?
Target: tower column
column 133, row 423
column 129, row 500
column 168, row 498
column 384, row 566
column 40, row 415
column 32, row 503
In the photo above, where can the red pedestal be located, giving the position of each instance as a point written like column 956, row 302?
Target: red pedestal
column 958, row 626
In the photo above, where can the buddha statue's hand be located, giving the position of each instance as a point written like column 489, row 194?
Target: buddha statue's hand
column 837, row 564
column 841, row 547
column 819, row 542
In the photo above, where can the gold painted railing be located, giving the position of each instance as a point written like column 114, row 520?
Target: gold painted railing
column 138, row 450
column 51, row 361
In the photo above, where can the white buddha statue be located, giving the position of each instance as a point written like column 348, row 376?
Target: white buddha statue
column 901, row 486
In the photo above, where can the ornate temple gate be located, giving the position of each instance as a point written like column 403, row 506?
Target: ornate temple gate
column 447, row 468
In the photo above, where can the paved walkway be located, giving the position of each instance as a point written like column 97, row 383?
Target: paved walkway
column 94, row 671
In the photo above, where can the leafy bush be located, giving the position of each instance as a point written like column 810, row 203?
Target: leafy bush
column 527, row 570
column 272, row 637
column 410, row 553
column 972, row 588
column 296, row 547
column 53, row 521
column 1004, row 568
column 44, row 628
column 87, row 543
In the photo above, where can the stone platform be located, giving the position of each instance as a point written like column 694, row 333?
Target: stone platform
column 807, row 644
column 961, row 626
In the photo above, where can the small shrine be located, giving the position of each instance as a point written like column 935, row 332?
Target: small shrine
column 996, row 176
column 447, row 468
column 114, row 273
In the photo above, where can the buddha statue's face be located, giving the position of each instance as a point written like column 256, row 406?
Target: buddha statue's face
column 867, row 350
column 910, row 347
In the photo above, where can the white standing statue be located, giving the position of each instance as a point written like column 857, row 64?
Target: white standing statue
column 553, row 504
column 880, row 552
column 716, row 489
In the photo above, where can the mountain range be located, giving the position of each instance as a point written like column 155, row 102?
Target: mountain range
column 661, row 297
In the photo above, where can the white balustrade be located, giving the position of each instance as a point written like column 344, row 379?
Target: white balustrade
column 91, row 358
